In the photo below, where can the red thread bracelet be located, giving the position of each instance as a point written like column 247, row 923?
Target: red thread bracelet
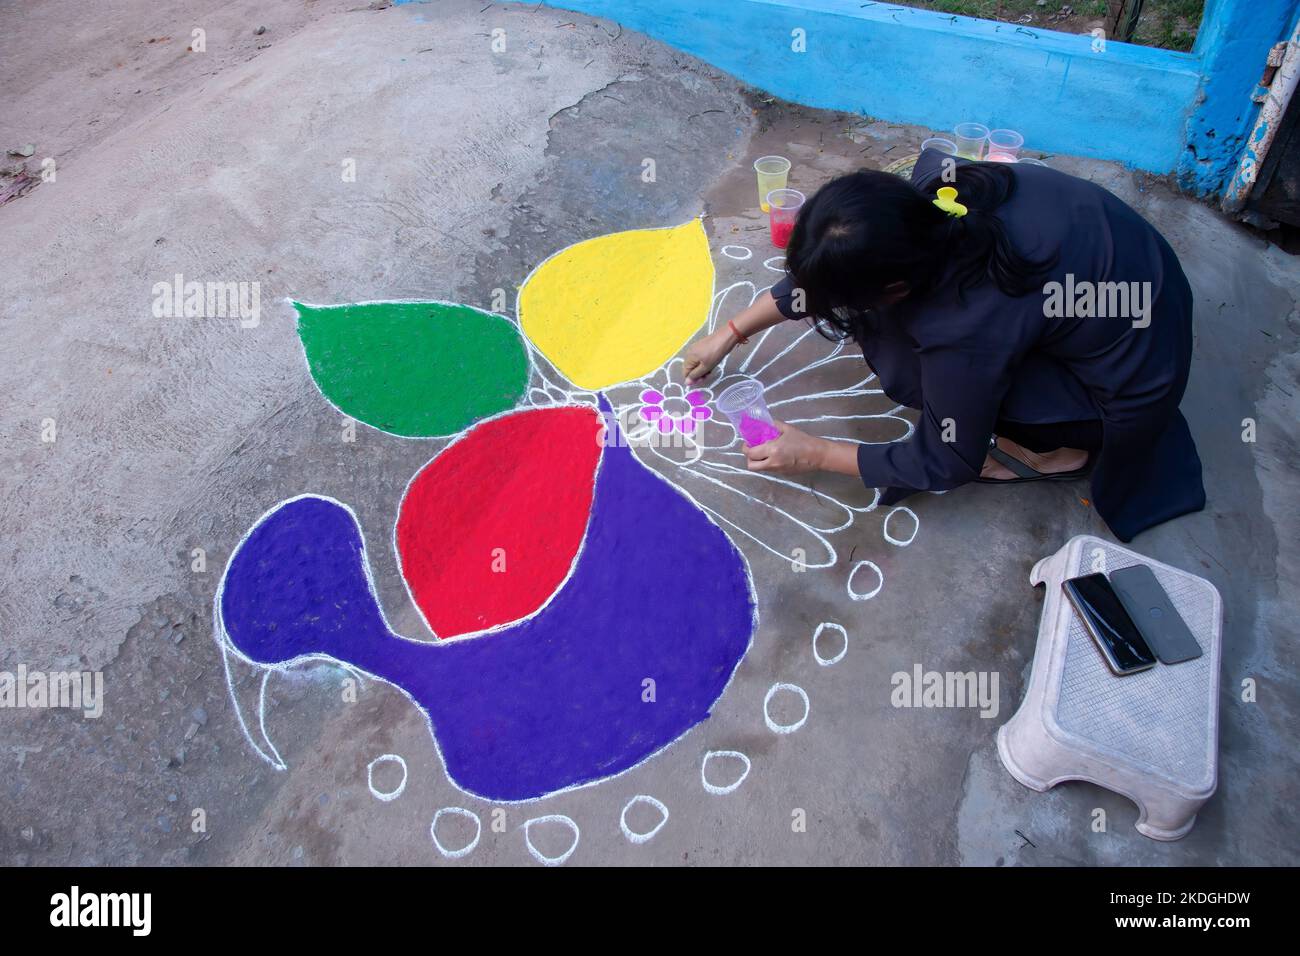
column 731, row 324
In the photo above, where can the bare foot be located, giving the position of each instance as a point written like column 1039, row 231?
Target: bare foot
column 1046, row 463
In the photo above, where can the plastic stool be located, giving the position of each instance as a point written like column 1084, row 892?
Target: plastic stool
column 1151, row 736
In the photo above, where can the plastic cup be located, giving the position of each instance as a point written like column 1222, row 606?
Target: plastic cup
column 971, row 138
column 1031, row 162
column 772, row 172
column 942, row 145
column 1004, row 146
column 783, row 208
column 743, row 404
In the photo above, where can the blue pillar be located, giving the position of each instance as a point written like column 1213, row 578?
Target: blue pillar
column 1232, row 47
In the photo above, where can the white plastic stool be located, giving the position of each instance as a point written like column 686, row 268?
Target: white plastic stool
column 1151, row 736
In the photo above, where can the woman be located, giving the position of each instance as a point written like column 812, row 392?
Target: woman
column 1042, row 327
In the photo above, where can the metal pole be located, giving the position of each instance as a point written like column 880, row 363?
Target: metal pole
column 1260, row 140
column 1129, row 27
column 1122, row 18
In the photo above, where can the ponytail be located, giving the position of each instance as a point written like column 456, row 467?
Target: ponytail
column 977, row 243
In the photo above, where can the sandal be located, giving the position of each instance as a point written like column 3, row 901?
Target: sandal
column 1024, row 472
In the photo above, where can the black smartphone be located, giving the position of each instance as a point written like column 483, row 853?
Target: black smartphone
column 1109, row 625
column 1149, row 606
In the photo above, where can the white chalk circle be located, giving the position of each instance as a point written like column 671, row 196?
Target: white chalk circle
column 772, row 725
column 468, row 848
column 388, row 795
column 727, row 251
column 865, row 595
column 767, row 264
column 728, row 788
column 538, row 855
column 916, row 524
column 828, row 661
column 632, row 834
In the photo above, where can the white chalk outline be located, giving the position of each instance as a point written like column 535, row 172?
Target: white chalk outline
column 829, row 661
column 625, row 410
column 772, row 725
column 916, row 524
column 277, row 761
column 631, row 834
column 728, row 788
column 391, row 795
column 538, row 855
column 767, row 264
column 748, row 253
column 865, row 596
column 468, row 848
column 838, row 353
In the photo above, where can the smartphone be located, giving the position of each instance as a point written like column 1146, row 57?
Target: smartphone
column 1109, row 625
column 1149, row 606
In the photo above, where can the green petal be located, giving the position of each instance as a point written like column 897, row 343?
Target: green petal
column 418, row 369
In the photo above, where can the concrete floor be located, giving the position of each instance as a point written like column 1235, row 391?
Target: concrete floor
column 472, row 167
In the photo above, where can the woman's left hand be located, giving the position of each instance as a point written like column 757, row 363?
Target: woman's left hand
column 795, row 452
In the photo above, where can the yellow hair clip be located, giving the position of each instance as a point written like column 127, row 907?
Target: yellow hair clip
column 947, row 201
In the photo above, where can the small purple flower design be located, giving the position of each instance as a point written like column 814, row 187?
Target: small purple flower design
column 675, row 408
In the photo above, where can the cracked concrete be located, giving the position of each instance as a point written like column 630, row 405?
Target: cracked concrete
column 472, row 167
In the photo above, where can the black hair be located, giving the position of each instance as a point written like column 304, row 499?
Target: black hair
column 862, row 232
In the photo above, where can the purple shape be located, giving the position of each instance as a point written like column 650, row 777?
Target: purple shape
column 658, row 593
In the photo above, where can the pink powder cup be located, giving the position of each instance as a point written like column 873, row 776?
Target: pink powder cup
column 743, row 404
column 1004, row 146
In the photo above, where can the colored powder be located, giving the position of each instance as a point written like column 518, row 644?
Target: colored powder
column 447, row 541
column 755, row 431
column 585, row 307
column 781, row 233
column 418, row 369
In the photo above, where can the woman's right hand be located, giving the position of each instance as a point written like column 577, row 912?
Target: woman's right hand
column 702, row 357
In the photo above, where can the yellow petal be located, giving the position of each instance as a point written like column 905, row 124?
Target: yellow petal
column 617, row 307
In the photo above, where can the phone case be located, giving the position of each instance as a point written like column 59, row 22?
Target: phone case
column 1154, row 614
column 1102, row 647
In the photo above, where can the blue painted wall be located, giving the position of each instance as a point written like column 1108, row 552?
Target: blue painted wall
column 1158, row 110
column 1232, row 47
